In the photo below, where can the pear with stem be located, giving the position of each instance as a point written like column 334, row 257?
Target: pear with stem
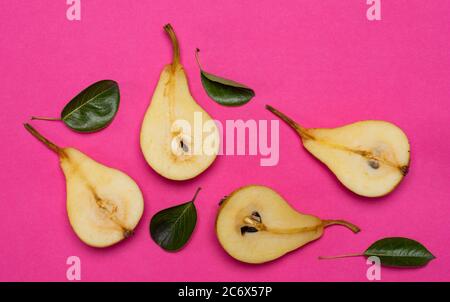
column 255, row 225
column 370, row 158
column 179, row 139
column 104, row 205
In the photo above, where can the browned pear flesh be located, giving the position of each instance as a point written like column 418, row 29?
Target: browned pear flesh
column 256, row 225
column 370, row 157
column 104, row 205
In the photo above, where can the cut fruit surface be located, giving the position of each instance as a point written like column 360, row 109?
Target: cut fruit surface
column 255, row 225
column 104, row 205
column 369, row 157
column 178, row 138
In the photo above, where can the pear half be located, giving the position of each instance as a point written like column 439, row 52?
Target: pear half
column 104, row 205
column 255, row 225
column 369, row 157
column 179, row 139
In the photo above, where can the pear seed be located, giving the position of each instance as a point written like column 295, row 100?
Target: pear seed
column 256, row 216
column 184, row 146
column 247, row 229
column 374, row 164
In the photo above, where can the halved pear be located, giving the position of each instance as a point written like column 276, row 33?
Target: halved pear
column 369, row 157
column 255, row 225
column 104, row 205
column 179, row 139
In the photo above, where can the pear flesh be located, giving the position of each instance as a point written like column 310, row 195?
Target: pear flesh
column 170, row 147
column 256, row 225
column 370, row 158
column 104, row 205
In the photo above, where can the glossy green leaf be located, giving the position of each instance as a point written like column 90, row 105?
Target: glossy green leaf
column 398, row 251
column 171, row 228
column 223, row 91
column 94, row 108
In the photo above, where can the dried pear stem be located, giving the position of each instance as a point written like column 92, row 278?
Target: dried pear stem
column 58, row 150
column 299, row 129
column 355, row 229
column 176, row 48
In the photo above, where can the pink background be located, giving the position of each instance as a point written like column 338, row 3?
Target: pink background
column 322, row 62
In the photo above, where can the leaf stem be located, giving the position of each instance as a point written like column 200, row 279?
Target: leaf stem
column 41, row 138
column 355, row 229
column 340, row 256
column 197, row 59
column 41, row 118
column 299, row 129
column 196, row 193
column 176, row 48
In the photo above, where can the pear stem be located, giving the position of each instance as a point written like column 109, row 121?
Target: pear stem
column 340, row 256
column 355, row 229
column 41, row 118
column 195, row 195
column 176, row 48
column 41, row 138
column 299, row 129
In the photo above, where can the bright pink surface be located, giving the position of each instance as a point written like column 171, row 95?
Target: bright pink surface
column 322, row 62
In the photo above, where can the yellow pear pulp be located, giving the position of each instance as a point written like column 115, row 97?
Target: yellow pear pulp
column 369, row 157
column 169, row 148
column 104, row 205
column 255, row 225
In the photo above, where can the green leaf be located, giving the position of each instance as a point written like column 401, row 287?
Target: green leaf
column 94, row 108
column 398, row 251
column 223, row 91
column 171, row 228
